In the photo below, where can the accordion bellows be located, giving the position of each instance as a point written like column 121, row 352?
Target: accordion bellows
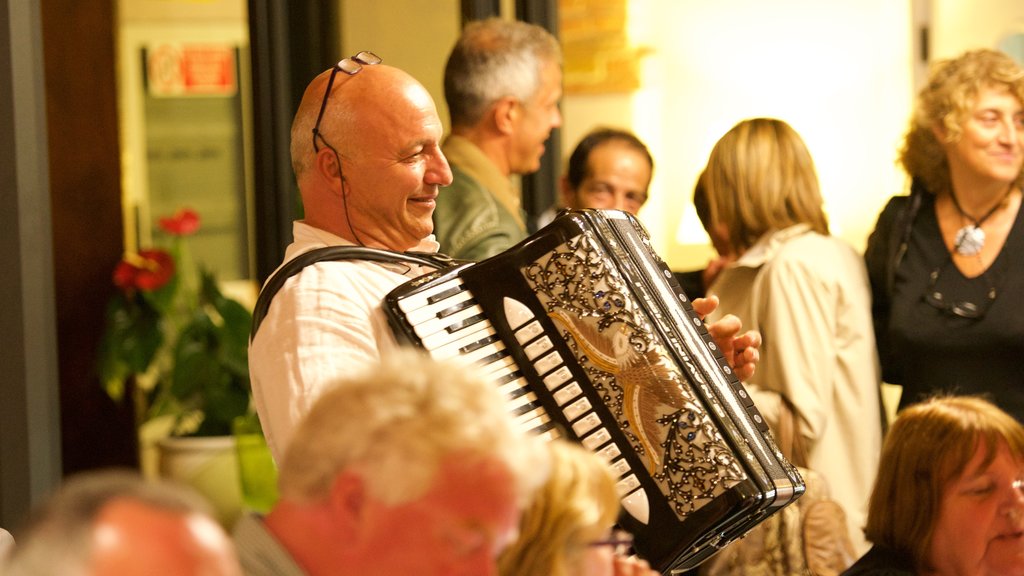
column 590, row 337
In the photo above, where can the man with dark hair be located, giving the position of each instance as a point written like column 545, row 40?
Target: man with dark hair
column 608, row 169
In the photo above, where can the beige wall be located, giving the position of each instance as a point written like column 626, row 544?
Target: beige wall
column 414, row 35
column 838, row 71
column 959, row 25
column 841, row 72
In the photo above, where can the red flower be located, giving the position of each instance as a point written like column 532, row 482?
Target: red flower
column 184, row 223
column 148, row 270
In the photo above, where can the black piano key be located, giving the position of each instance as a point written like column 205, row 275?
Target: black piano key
column 526, row 408
column 479, row 344
column 464, row 323
column 445, row 294
column 453, row 309
column 506, row 378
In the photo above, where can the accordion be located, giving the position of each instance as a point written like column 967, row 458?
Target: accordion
column 591, row 337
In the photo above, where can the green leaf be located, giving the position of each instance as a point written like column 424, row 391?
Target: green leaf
column 129, row 344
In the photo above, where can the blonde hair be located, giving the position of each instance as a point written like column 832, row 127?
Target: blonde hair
column 395, row 425
column 576, row 505
column 946, row 101
column 760, row 177
column 928, row 446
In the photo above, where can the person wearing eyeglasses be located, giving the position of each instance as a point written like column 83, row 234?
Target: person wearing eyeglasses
column 807, row 293
column 366, row 151
column 502, row 83
column 947, row 261
column 412, row 467
column 948, row 499
column 568, row 529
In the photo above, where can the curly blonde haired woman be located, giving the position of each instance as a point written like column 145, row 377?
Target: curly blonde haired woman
column 945, row 262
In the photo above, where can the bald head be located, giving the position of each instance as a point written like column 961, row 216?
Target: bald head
column 132, row 537
column 377, row 167
column 115, row 522
column 355, row 101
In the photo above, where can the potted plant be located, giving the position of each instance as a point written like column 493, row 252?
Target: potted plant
column 176, row 347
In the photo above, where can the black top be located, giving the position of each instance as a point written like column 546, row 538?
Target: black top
column 881, row 561
column 926, row 349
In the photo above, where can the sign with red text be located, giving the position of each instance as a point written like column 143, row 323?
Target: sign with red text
column 179, row 69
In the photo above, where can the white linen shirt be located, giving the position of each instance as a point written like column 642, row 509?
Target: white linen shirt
column 808, row 295
column 326, row 322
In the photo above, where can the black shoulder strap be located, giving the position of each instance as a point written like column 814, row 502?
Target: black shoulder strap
column 331, row 254
column 903, row 226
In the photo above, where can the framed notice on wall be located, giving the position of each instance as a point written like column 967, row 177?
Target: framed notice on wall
column 179, row 69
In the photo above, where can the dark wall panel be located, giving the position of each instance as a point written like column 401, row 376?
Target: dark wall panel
column 85, row 178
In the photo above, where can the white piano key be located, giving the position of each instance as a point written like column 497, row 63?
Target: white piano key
column 484, row 351
column 444, row 336
column 511, row 404
column 495, row 370
column 532, row 419
column 513, row 388
column 430, row 311
column 453, row 348
column 549, row 434
column 443, row 325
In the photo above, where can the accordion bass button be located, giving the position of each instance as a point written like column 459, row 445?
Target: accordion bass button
column 548, row 363
column 577, row 409
column 609, row 452
column 620, row 467
column 567, row 393
column 529, row 332
column 535, row 349
column 584, row 425
column 599, row 438
column 557, row 378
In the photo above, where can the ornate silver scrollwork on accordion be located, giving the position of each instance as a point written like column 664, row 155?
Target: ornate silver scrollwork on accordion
column 584, row 328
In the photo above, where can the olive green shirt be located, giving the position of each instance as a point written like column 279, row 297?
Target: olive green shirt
column 479, row 215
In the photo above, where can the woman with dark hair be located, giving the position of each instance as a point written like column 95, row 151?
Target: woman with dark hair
column 948, row 498
column 945, row 263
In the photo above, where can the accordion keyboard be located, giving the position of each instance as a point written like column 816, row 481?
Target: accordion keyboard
column 450, row 324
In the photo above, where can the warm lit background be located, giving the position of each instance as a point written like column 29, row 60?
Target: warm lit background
column 680, row 73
